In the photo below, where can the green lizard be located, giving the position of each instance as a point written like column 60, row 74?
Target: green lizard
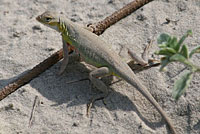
column 93, row 50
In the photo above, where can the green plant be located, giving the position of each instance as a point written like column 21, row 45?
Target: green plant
column 173, row 50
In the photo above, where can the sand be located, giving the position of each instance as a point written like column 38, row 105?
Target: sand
column 61, row 108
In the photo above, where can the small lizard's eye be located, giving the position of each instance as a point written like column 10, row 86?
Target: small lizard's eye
column 48, row 19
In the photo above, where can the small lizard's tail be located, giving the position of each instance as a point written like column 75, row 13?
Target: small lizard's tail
column 132, row 79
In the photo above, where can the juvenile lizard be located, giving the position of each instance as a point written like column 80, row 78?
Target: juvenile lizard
column 93, row 50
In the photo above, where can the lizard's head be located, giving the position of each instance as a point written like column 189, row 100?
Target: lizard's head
column 49, row 19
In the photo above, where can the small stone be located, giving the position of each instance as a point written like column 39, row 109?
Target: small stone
column 141, row 17
column 9, row 107
column 36, row 27
column 75, row 124
column 181, row 6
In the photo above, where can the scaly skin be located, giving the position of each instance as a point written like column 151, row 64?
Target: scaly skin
column 97, row 52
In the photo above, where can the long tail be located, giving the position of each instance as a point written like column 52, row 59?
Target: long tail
column 132, row 79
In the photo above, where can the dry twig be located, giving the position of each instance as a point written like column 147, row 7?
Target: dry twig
column 35, row 104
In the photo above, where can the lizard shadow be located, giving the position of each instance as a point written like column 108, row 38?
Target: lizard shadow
column 55, row 88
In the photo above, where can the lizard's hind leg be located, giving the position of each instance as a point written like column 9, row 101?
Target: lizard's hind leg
column 93, row 76
column 143, row 60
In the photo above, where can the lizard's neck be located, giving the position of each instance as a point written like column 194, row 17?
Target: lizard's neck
column 62, row 28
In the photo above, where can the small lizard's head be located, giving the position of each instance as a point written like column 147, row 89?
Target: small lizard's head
column 49, row 19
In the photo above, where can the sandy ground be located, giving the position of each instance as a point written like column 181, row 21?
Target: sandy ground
column 62, row 107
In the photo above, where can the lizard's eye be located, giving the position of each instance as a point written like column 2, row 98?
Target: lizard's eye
column 48, row 19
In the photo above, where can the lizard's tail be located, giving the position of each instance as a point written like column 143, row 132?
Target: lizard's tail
column 132, row 79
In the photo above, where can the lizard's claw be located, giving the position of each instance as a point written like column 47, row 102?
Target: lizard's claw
column 90, row 104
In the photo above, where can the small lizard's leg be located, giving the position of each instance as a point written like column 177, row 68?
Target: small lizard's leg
column 93, row 76
column 65, row 57
column 145, row 54
column 144, row 60
column 136, row 58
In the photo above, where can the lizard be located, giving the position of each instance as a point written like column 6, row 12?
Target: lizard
column 95, row 51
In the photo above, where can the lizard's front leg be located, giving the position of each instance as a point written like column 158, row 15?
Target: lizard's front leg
column 93, row 76
column 65, row 57
column 69, row 55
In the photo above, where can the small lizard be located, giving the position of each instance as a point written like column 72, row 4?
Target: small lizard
column 93, row 50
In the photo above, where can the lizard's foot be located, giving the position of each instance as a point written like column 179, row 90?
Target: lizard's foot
column 93, row 100
column 144, row 61
column 93, row 76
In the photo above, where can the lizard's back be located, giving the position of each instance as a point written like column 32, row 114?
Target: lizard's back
column 95, row 51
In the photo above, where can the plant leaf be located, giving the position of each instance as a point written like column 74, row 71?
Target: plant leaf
column 162, row 45
column 177, row 48
column 166, row 51
column 182, row 59
column 181, row 85
column 163, row 38
column 196, row 50
column 178, row 57
column 164, row 62
column 173, row 42
column 189, row 32
column 184, row 51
